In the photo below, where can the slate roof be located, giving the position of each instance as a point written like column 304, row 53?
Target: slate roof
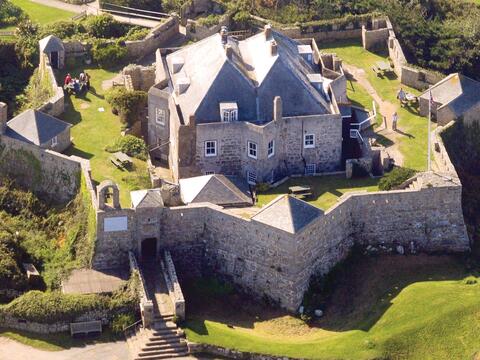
column 456, row 91
column 216, row 189
column 51, row 43
column 35, row 127
column 288, row 213
column 150, row 198
column 251, row 73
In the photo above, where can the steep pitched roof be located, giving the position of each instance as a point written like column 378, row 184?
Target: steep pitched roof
column 288, row 214
column 35, row 127
column 251, row 77
column 51, row 43
column 150, row 198
column 456, row 91
column 216, row 189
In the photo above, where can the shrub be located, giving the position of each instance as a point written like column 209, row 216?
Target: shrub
column 395, row 178
column 109, row 55
column 121, row 321
column 130, row 145
column 209, row 21
column 10, row 14
column 128, row 104
column 136, row 33
column 104, row 26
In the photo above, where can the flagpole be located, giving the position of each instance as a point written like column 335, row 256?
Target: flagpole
column 429, row 124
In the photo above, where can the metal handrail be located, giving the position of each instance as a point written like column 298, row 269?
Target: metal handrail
column 374, row 115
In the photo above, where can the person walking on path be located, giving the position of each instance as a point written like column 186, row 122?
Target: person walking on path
column 394, row 121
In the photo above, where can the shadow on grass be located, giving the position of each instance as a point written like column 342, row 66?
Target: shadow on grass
column 360, row 291
column 71, row 115
column 383, row 140
column 57, row 342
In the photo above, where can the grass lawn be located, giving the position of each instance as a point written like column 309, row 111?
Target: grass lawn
column 55, row 342
column 326, row 189
column 93, row 130
column 383, row 307
column 42, row 14
column 413, row 144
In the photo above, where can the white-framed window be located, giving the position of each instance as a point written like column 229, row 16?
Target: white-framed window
column 252, row 149
column 209, row 172
column 54, row 141
column 309, row 141
column 211, row 148
column 229, row 115
column 160, row 115
column 271, row 148
column 251, row 177
column 310, row 169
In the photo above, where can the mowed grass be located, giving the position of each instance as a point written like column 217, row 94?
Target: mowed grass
column 93, row 130
column 412, row 311
column 326, row 189
column 42, row 14
column 55, row 342
column 413, row 142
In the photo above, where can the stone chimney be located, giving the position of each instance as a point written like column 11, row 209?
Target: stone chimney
column 3, row 118
column 224, row 35
column 267, row 30
column 228, row 51
column 273, row 48
column 277, row 108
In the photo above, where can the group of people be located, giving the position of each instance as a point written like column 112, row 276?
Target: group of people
column 77, row 85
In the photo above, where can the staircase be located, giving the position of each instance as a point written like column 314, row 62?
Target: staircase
column 415, row 184
column 163, row 340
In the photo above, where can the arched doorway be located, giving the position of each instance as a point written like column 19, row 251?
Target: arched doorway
column 149, row 249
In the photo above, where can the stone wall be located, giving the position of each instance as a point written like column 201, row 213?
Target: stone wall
column 55, row 106
column 142, row 77
column 173, row 285
column 195, row 31
column 197, row 348
column 46, row 173
column 11, row 322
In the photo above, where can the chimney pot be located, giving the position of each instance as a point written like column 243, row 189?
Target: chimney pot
column 3, row 118
column 228, row 51
column 268, row 31
column 273, row 48
column 224, row 35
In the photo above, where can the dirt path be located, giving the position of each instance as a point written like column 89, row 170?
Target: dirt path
column 385, row 108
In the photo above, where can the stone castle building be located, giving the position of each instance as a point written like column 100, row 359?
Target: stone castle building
column 262, row 108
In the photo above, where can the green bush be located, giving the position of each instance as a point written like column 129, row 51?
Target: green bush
column 209, row 21
column 130, row 145
column 10, row 14
column 136, row 33
column 128, row 104
column 109, row 55
column 121, row 321
column 395, row 178
column 104, row 26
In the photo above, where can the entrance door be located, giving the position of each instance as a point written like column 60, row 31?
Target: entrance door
column 149, row 249
column 54, row 59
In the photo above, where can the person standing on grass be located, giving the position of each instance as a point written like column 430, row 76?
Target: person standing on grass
column 394, row 121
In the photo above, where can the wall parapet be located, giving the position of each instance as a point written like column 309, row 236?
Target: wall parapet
column 173, row 285
column 54, row 106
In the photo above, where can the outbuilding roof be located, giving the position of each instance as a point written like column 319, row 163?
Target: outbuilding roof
column 146, row 198
column 216, row 189
column 35, row 127
column 51, row 43
column 250, row 73
column 288, row 213
column 456, row 91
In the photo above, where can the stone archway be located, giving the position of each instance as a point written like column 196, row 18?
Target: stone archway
column 106, row 189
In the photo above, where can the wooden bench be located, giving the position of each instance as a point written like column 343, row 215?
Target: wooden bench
column 116, row 162
column 86, row 328
column 300, row 191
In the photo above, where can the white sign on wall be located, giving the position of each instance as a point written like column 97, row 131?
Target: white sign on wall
column 119, row 223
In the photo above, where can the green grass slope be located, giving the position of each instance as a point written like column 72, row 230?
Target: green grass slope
column 42, row 14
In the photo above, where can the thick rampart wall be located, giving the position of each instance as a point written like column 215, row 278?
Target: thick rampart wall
column 55, row 106
column 45, row 172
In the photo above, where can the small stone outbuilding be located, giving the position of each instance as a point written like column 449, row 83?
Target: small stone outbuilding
column 457, row 96
column 38, row 128
column 53, row 47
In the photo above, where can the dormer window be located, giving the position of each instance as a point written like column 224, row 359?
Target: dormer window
column 177, row 64
column 229, row 111
column 306, row 52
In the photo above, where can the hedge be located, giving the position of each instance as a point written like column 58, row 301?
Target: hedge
column 395, row 178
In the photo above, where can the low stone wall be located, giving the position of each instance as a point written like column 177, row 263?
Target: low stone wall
column 440, row 152
column 55, row 106
column 141, row 77
column 158, row 37
column 195, row 348
column 11, row 322
column 46, row 173
column 195, row 31
column 174, row 289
